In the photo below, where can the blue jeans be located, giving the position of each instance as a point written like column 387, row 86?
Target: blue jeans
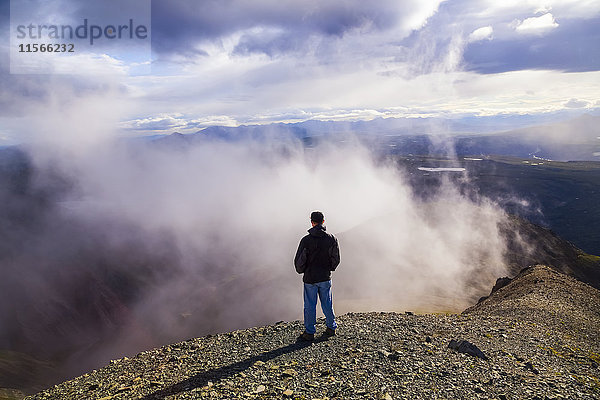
column 323, row 289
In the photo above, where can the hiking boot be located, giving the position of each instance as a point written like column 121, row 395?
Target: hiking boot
column 306, row 337
column 329, row 332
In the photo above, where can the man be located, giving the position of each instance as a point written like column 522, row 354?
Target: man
column 317, row 256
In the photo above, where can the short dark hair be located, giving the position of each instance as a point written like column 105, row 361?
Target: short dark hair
column 317, row 216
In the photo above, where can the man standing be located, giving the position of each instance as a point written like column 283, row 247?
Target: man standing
column 318, row 254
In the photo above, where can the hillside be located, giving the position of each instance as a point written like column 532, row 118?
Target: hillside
column 529, row 244
column 560, row 195
column 539, row 335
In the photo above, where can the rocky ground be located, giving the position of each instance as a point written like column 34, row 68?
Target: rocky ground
column 539, row 334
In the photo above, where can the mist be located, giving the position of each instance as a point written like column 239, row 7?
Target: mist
column 146, row 243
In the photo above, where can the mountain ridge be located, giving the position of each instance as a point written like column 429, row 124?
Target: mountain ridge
column 383, row 355
column 573, row 139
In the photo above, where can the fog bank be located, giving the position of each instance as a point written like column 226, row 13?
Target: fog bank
column 153, row 243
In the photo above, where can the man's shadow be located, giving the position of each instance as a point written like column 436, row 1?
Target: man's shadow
column 201, row 379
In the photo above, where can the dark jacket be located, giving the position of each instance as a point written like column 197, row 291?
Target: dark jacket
column 318, row 254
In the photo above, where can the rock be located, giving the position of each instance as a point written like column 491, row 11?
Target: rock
column 500, row 283
column 289, row 372
column 528, row 365
column 288, row 392
column 466, row 347
column 409, row 313
column 392, row 356
column 384, row 353
column 260, row 389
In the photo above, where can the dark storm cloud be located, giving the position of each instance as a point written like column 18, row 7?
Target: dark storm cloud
column 179, row 25
column 4, row 25
column 269, row 44
column 571, row 47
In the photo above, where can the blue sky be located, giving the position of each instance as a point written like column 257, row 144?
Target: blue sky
column 234, row 62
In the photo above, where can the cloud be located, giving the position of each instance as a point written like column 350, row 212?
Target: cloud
column 237, row 62
column 93, row 52
column 210, row 233
column 167, row 123
column 483, row 33
column 81, row 63
column 272, row 95
column 446, row 44
column 536, row 25
column 181, row 26
column 160, row 122
column 570, row 47
column 543, row 9
column 272, row 42
column 575, row 103
column 512, row 8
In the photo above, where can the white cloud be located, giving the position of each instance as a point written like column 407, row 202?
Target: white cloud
column 341, row 97
column 485, row 32
column 418, row 13
column 170, row 122
column 543, row 9
column 511, row 8
column 159, row 122
column 221, row 120
column 84, row 63
column 536, row 25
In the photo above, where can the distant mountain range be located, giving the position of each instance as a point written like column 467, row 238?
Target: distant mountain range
column 574, row 139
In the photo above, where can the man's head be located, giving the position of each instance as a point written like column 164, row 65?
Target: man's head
column 317, row 218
